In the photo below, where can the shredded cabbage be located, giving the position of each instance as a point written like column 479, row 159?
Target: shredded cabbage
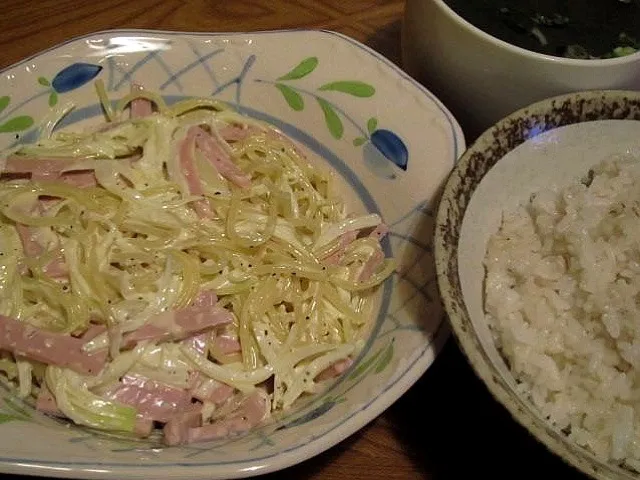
column 85, row 408
column 119, row 228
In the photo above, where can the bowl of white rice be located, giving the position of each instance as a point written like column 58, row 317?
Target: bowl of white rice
column 537, row 249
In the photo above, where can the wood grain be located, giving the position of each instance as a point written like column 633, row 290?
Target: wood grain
column 447, row 426
column 27, row 27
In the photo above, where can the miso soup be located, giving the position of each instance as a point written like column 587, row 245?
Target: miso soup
column 566, row 28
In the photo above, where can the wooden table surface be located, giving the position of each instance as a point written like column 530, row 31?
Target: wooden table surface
column 447, row 426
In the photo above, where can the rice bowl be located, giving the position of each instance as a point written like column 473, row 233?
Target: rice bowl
column 529, row 366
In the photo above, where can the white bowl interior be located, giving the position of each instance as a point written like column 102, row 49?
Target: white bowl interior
column 553, row 158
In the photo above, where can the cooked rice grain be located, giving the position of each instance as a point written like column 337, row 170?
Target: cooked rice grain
column 562, row 298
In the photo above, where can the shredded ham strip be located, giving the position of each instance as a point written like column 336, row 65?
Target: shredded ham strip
column 219, row 158
column 140, row 107
column 209, row 390
column 203, row 314
column 187, row 164
column 336, row 254
column 54, row 169
column 153, row 400
column 236, row 133
column 52, row 348
column 40, row 167
column 227, row 344
column 189, row 428
column 57, row 268
column 335, row 370
column 46, row 402
column 80, row 178
column 371, row 266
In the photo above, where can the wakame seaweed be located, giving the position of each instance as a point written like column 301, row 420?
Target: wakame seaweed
column 566, row 28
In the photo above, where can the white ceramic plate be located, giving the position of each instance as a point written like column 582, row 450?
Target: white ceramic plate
column 390, row 142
